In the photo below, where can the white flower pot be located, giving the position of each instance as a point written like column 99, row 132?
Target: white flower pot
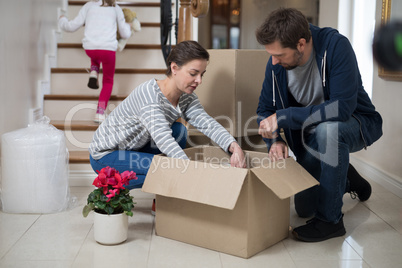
column 110, row 229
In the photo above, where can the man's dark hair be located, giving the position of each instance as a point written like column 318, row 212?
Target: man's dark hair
column 286, row 25
column 185, row 52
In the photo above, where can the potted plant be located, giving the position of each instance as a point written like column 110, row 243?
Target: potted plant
column 112, row 204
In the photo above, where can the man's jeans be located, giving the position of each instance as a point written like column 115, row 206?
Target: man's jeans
column 326, row 157
column 137, row 161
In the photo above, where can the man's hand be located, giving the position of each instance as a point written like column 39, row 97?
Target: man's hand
column 237, row 159
column 278, row 151
column 268, row 127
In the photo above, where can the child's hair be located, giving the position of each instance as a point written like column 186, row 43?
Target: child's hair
column 109, row 2
column 185, row 52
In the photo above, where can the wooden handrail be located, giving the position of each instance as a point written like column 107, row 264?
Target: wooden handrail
column 188, row 9
column 185, row 22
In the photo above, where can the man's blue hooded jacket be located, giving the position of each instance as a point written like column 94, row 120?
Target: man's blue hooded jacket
column 343, row 93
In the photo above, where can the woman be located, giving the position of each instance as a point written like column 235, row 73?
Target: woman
column 144, row 124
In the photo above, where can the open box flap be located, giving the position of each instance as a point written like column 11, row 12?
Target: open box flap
column 200, row 182
column 285, row 177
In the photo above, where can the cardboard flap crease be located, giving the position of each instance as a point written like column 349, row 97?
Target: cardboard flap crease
column 205, row 183
column 285, row 178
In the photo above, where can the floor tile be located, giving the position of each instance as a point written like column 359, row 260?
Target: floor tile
column 12, row 228
column 168, row 253
column 132, row 253
column 53, row 237
column 378, row 243
column 331, row 264
column 388, row 207
column 35, row 264
column 275, row 256
column 333, row 249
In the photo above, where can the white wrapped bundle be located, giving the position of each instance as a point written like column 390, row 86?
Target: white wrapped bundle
column 34, row 170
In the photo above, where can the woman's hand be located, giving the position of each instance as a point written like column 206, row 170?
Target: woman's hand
column 237, row 159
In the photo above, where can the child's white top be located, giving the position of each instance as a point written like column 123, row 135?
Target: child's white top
column 101, row 24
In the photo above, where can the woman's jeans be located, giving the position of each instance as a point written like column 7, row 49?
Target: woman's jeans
column 326, row 158
column 138, row 161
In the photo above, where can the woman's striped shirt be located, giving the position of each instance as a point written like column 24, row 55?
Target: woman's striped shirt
column 147, row 114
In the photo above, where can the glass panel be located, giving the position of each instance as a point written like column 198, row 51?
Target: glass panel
column 219, row 36
column 220, row 10
column 234, row 37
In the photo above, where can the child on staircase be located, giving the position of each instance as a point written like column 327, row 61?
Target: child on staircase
column 101, row 19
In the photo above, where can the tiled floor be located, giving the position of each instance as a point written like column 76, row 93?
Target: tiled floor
column 65, row 239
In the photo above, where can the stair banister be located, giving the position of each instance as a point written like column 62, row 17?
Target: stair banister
column 189, row 9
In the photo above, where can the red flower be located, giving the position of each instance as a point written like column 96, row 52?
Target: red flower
column 109, row 172
column 112, row 194
column 109, row 179
column 127, row 176
column 100, row 181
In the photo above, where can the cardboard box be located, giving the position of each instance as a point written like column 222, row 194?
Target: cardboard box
column 207, row 203
column 231, row 88
column 250, row 143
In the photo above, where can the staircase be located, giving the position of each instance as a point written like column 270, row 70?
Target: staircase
column 71, row 106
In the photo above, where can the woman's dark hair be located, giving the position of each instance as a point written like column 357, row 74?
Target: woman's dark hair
column 286, row 25
column 185, row 52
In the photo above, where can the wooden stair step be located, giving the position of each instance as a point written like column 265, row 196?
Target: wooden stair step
column 117, row 71
column 151, row 24
column 129, row 46
column 120, row 3
column 75, row 125
column 79, row 157
column 89, row 125
column 64, row 97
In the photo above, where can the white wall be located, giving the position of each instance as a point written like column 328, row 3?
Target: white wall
column 254, row 12
column 328, row 14
column 386, row 154
column 25, row 39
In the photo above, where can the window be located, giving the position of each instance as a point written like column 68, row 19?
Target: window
column 225, row 24
column 356, row 20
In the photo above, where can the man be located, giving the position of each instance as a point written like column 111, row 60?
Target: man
column 313, row 91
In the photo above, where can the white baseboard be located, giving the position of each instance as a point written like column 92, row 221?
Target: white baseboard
column 81, row 177
column 385, row 180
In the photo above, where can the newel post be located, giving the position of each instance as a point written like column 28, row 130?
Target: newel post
column 188, row 9
column 185, row 22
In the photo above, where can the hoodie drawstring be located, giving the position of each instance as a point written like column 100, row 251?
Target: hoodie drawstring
column 273, row 88
column 323, row 65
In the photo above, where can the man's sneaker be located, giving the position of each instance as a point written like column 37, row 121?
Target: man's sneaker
column 93, row 80
column 359, row 187
column 153, row 210
column 317, row 230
